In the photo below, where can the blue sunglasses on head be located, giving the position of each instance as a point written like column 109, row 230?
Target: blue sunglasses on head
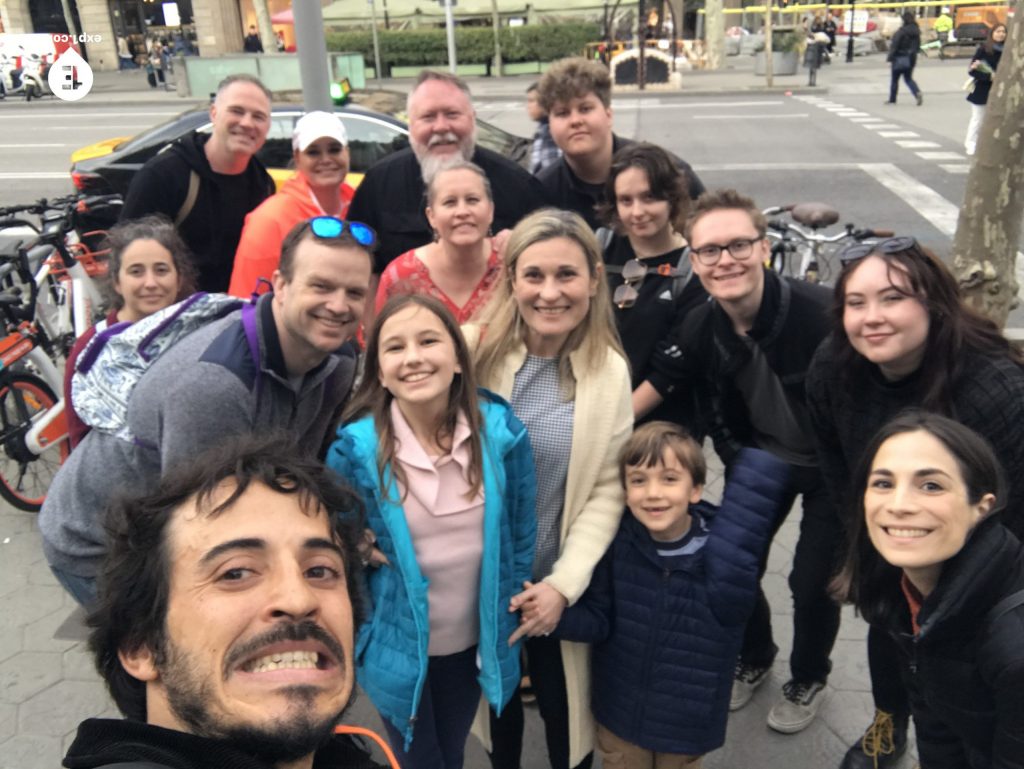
column 331, row 227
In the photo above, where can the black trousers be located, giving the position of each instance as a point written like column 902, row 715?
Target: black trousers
column 544, row 659
column 886, row 663
column 815, row 614
column 908, row 78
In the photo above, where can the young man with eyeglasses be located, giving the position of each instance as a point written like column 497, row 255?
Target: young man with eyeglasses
column 278, row 369
column 745, row 354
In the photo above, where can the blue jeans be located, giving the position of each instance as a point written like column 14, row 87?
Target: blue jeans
column 451, row 694
column 82, row 589
column 908, row 78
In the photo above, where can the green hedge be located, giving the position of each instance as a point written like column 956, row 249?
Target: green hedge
column 475, row 45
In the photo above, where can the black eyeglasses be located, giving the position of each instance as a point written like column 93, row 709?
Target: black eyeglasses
column 854, row 252
column 633, row 273
column 332, row 227
column 740, row 250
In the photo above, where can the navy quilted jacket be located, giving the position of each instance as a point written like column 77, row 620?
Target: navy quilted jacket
column 666, row 639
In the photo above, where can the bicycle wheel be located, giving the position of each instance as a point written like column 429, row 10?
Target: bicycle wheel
column 25, row 477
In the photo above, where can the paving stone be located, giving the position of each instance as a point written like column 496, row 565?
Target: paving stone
column 8, row 721
column 77, row 664
column 39, row 635
column 39, row 574
column 30, row 603
column 25, row 751
column 850, row 666
column 26, row 674
column 10, row 642
column 65, row 704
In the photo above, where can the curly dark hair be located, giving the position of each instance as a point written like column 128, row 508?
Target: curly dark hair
column 135, row 577
column 156, row 227
column 666, row 181
column 574, row 78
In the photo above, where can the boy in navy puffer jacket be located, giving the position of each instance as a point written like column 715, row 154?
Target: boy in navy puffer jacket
column 668, row 602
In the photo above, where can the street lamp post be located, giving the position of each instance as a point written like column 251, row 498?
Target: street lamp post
column 849, row 36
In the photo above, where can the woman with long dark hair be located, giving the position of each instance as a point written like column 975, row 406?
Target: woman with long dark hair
column 983, row 67
column 902, row 58
column 905, row 338
column 931, row 565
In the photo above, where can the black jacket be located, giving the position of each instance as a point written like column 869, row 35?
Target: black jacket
column 966, row 666
column 983, row 80
column 214, row 226
column 706, row 354
column 848, row 405
column 392, row 198
column 906, row 42
column 102, row 741
column 565, row 190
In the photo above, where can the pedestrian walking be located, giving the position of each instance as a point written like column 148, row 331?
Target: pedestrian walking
column 902, row 58
column 252, row 42
column 983, row 67
column 815, row 54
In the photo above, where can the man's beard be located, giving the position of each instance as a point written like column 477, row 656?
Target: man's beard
column 431, row 163
column 285, row 739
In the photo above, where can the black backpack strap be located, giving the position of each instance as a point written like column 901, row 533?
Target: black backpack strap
column 1012, row 601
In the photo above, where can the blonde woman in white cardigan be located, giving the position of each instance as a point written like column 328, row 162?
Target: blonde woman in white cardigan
column 551, row 348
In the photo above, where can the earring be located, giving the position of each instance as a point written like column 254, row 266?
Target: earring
column 436, row 236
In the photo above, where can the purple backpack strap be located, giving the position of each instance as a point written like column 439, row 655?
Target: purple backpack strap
column 252, row 336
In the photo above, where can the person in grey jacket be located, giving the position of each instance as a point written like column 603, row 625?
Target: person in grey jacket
column 210, row 387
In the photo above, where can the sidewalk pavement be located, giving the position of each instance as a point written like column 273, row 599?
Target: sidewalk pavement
column 865, row 74
column 48, row 684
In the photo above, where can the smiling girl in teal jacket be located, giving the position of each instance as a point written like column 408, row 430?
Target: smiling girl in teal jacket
column 417, row 416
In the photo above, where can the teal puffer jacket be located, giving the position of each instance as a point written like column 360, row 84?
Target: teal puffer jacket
column 391, row 651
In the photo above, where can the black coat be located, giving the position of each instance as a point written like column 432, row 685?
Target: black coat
column 966, row 666
column 102, row 741
column 392, row 200
column 983, row 80
column 666, row 635
column 706, row 354
column 906, row 42
column 214, row 226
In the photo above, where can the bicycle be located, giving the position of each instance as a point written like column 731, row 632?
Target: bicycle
column 816, row 250
column 33, row 427
column 63, row 263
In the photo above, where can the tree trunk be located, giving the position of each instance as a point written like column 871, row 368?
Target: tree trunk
column 714, row 34
column 988, row 230
column 266, row 29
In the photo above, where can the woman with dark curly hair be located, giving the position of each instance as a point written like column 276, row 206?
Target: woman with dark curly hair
column 149, row 268
column 931, row 565
column 645, row 255
column 904, row 338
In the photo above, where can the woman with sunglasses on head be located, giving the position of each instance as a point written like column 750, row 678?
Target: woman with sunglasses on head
column 931, row 565
column 320, row 154
column 448, row 480
column 461, row 267
column 903, row 337
column 551, row 348
column 149, row 268
column 649, row 273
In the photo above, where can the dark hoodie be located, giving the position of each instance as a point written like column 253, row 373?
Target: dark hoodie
column 214, row 226
column 101, row 742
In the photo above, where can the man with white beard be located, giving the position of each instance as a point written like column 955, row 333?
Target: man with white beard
column 442, row 131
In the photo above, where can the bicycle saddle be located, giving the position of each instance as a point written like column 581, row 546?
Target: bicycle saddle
column 814, row 215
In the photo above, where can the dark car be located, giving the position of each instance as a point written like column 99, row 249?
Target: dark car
column 109, row 166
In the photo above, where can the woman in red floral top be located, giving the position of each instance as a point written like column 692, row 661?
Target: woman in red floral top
column 461, row 267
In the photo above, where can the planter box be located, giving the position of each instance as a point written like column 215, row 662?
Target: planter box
column 783, row 62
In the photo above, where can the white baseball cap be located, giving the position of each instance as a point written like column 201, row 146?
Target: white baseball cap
column 316, row 125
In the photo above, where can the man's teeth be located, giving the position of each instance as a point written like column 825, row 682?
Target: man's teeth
column 283, row 661
column 907, row 533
